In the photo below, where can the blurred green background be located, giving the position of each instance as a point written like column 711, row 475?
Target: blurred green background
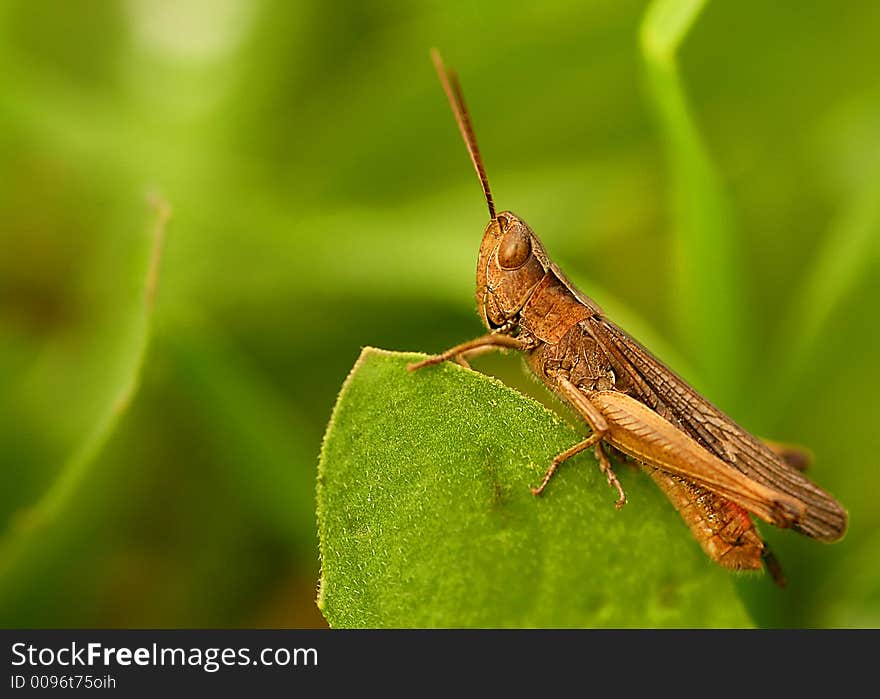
column 323, row 201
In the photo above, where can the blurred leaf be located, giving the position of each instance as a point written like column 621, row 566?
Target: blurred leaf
column 266, row 448
column 29, row 523
column 849, row 249
column 665, row 25
column 426, row 519
column 710, row 299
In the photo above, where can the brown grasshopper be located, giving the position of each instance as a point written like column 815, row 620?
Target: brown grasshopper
column 715, row 473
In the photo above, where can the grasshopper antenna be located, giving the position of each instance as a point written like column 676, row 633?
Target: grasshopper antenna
column 456, row 100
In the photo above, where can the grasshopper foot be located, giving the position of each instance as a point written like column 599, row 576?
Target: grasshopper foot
column 547, row 476
column 436, row 359
column 439, row 359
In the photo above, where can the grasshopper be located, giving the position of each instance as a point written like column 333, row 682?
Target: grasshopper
column 713, row 471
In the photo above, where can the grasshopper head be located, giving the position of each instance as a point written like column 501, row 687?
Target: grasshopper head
column 508, row 269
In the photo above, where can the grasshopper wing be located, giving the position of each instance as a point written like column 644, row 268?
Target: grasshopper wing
column 651, row 382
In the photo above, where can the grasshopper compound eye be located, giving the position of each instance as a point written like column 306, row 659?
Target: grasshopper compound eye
column 516, row 247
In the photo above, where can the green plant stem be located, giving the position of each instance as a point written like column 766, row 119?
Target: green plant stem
column 709, row 297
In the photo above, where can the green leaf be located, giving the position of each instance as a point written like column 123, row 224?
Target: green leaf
column 425, row 516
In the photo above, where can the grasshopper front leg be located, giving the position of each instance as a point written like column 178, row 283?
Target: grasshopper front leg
column 485, row 343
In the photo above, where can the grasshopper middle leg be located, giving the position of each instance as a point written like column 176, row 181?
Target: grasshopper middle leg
column 590, row 441
column 610, row 476
column 599, row 426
